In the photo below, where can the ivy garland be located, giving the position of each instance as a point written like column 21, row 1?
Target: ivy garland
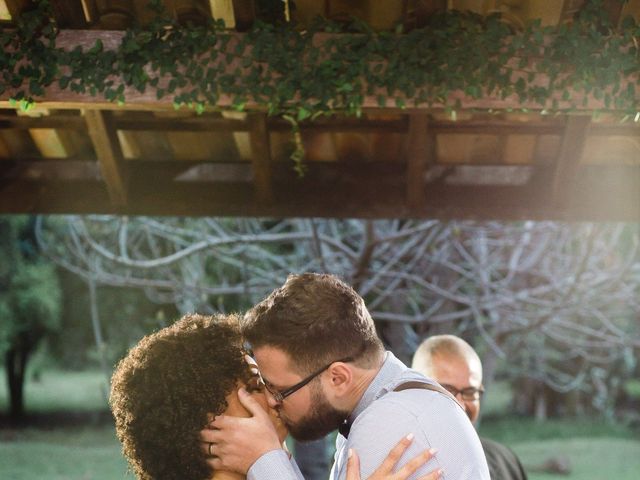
column 281, row 68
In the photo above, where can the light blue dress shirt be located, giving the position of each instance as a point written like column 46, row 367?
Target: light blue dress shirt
column 382, row 418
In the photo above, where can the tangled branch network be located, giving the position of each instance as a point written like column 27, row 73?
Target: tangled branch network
column 543, row 294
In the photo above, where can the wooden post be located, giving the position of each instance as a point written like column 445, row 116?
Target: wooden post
column 223, row 10
column 261, row 156
column 109, row 154
column 573, row 140
column 114, row 14
column 418, row 157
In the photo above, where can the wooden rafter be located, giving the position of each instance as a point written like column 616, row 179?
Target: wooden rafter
column 260, row 157
column 566, row 166
column 90, row 10
column 109, row 154
column 207, row 123
column 69, row 14
column 223, row 10
column 420, row 141
column 6, row 168
column 614, row 10
column 15, row 7
column 355, row 195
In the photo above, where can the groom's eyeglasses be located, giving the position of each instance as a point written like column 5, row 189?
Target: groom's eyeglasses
column 280, row 395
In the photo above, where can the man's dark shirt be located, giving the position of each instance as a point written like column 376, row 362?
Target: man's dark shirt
column 503, row 463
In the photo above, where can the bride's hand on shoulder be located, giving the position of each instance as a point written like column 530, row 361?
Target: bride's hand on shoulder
column 385, row 471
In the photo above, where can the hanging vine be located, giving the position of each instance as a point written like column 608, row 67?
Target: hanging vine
column 331, row 68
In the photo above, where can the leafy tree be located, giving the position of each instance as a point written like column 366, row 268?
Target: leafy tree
column 126, row 315
column 30, row 303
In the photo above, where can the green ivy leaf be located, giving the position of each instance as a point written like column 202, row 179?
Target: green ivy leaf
column 282, row 69
column 97, row 47
column 303, row 113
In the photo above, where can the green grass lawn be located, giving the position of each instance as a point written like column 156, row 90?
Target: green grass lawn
column 94, row 454
column 91, row 453
column 513, row 429
column 596, row 450
column 56, row 390
column 590, row 458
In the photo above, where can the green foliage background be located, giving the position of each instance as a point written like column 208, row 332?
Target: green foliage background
column 30, row 294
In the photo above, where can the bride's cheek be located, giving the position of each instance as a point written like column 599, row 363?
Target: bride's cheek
column 260, row 398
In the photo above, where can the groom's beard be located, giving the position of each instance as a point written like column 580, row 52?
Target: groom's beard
column 322, row 419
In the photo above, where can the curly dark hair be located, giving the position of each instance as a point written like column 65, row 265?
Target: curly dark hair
column 163, row 389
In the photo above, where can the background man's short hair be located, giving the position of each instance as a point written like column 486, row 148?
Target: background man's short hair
column 442, row 346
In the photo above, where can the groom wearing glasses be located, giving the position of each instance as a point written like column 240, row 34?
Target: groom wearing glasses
column 325, row 369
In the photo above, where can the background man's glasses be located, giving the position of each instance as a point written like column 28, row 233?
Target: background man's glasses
column 469, row 393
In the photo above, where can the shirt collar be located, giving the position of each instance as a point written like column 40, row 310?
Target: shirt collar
column 385, row 381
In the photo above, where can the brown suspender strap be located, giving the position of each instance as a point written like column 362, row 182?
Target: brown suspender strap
column 426, row 386
column 346, row 426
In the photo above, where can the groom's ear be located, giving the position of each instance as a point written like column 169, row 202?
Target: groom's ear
column 340, row 377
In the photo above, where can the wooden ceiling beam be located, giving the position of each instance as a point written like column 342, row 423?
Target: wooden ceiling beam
column 420, row 153
column 90, row 10
column 223, row 10
column 567, row 162
column 52, row 161
column 186, row 124
column 7, row 168
column 109, row 154
column 24, row 196
column 58, row 122
column 613, row 8
column 205, row 123
column 349, row 199
column 52, row 169
column 260, row 157
column 164, row 170
column 16, row 7
column 69, row 14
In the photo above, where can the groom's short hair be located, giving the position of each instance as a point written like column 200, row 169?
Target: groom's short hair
column 316, row 319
